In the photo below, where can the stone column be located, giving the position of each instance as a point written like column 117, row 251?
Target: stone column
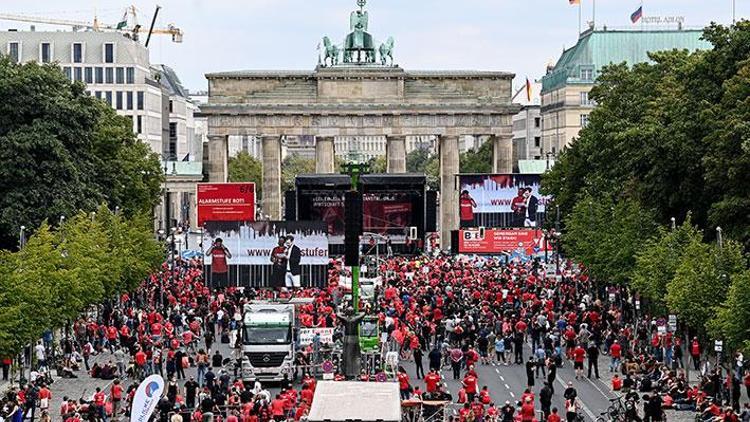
column 395, row 154
column 271, row 153
column 502, row 156
column 448, row 188
column 218, row 154
column 324, row 155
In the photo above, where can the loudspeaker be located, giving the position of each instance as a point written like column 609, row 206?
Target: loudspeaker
column 352, row 227
column 290, row 205
column 431, row 211
column 454, row 241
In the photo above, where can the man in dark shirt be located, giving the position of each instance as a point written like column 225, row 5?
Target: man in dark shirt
column 593, row 354
column 191, row 388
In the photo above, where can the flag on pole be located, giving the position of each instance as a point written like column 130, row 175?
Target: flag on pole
column 528, row 89
column 637, row 15
column 574, row 2
column 123, row 22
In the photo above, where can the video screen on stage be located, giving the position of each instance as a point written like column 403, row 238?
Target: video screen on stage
column 501, row 200
column 265, row 254
column 388, row 214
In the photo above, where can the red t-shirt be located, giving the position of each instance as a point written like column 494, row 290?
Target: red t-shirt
column 579, row 354
column 277, row 407
column 470, row 383
column 116, row 392
column 615, row 350
column 403, row 381
column 466, row 208
column 431, row 381
column 218, row 260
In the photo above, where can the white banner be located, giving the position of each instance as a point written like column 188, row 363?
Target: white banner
column 306, row 335
column 251, row 243
column 146, row 398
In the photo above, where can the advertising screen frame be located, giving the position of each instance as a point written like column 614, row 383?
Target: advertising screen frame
column 234, row 201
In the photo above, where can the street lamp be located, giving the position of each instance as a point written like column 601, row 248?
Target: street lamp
column 719, row 239
column 674, row 223
column 22, row 237
column 62, row 220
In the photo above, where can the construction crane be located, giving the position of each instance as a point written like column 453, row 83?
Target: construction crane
column 132, row 30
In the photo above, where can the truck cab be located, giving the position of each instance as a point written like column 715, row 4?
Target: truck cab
column 267, row 342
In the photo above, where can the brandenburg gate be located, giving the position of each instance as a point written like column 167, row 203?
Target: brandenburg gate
column 360, row 96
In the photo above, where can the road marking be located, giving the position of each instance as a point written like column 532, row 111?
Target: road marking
column 497, row 370
column 512, row 395
column 598, row 389
column 502, row 378
column 507, row 386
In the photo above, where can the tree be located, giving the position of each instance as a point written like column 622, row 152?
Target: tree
column 605, row 234
column 421, row 161
column 477, row 161
column 378, row 164
column 732, row 318
column 702, row 279
column 245, row 168
column 671, row 134
column 62, row 150
column 293, row 165
column 657, row 261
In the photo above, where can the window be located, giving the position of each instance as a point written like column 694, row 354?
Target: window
column 537, row 122
column 587, row 74
column 108, row 96
column 89, row 75
column 118, row 100
column 537, row 141
column 99, row 75
column 584, row 120
column 129, row 97
column 172, row 140
column 139, row 100
column 98, row 94
column 585, row 99
column 120, row 75
column 109, row 75
column 130, row 75
column 171, row 106
column 139, row 124
column 109, row 53
column 77, row 56
column 45, row 52
column 14, row 51
column 67, row 71
column 78, row 74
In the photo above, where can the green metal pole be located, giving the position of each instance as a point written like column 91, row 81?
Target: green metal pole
column 355, row 269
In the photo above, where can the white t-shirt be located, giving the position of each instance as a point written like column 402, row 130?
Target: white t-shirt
column 39, row 349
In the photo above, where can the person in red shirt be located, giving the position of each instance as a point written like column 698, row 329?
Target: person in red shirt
column 277, row 408
column 616, row 383
column 432, row 380
column 219, row 255
column 140, row 363
column 115, row 393
column 527, row 410
column 99, row 400
column 615, row 353
column 466, row 209
column 553, row 417
column 44, row 398
column 579, row 354
column 465, row 413
column 403, row 383
column 470, row 384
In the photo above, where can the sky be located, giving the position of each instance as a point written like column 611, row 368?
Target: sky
column 519, row 36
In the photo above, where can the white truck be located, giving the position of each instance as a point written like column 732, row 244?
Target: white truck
column 268, row 334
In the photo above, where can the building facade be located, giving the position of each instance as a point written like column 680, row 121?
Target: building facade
column 117, row 70
column 566, row 105
column 527, row 125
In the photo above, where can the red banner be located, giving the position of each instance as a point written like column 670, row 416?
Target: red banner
column 521, row 242
column 226, row 202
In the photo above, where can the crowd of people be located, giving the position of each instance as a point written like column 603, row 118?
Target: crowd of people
column 457, row 313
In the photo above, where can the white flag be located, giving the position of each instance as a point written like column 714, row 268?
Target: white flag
column 146, row 398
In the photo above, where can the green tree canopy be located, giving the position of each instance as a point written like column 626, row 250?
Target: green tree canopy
column 605, row 235
column 477, row 161
column 62, row 150
column 658, row 259
column 245, row 168
column 293, row 165
column 731, row 321
column 671, row 134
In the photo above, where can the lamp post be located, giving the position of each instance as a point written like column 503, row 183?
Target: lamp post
column 557, row 239
column 22, row 237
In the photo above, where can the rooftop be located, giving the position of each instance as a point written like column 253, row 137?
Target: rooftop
column 601, row 47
